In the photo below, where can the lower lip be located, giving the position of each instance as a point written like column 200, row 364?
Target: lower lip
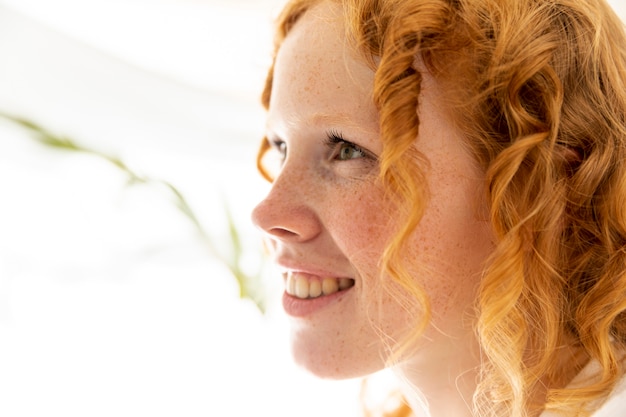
column 298, row 307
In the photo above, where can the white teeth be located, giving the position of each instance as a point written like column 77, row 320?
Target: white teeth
column 329, row 286
column 306, row 287
column 291, row 285
column 302, row 288
column 315, row 288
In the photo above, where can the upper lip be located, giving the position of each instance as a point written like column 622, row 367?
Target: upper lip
column 287, row 265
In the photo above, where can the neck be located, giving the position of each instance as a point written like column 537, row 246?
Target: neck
column 443, row 385
column 445, row 382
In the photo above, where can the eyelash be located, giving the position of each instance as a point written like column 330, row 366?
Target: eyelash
column 334, row 139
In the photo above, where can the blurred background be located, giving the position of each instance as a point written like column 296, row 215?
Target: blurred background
column 112, row 301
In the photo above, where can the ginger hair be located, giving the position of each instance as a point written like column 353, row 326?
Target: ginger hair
column 538, row 88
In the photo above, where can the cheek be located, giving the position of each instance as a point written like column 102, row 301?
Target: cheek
column 450, row 249
column 360, row 225
column 362, row 229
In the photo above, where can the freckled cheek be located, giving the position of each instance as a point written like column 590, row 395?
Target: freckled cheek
column 449, row 259
column 360, row 225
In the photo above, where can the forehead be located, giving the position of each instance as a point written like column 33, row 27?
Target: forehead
column 318, row 33
column 317, row 69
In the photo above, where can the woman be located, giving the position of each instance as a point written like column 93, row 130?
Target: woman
column 449, row 199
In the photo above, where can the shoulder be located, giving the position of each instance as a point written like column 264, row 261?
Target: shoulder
column 615, row 405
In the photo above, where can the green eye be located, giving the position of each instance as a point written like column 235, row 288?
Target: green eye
column 348, row 151
column 342, row 149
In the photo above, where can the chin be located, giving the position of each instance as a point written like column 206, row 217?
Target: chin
column 336, row 364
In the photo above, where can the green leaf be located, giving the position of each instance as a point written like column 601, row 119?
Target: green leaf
column 249, row 285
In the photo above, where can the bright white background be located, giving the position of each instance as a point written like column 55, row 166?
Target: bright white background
column 109, row 303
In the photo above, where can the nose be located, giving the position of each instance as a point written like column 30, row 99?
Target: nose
column 285, row 213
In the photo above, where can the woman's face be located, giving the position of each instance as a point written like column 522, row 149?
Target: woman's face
column 328, row 219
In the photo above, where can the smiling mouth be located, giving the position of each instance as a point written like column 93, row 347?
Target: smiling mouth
column 309, row 287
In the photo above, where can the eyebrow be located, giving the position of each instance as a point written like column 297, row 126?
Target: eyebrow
column 339, row 118
column 331, row 119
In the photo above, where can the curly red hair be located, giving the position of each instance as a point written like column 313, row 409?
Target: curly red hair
column 539, row 89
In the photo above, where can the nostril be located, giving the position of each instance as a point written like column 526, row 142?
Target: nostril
column 295, row 225
column 286, row 214
column 283, row 234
